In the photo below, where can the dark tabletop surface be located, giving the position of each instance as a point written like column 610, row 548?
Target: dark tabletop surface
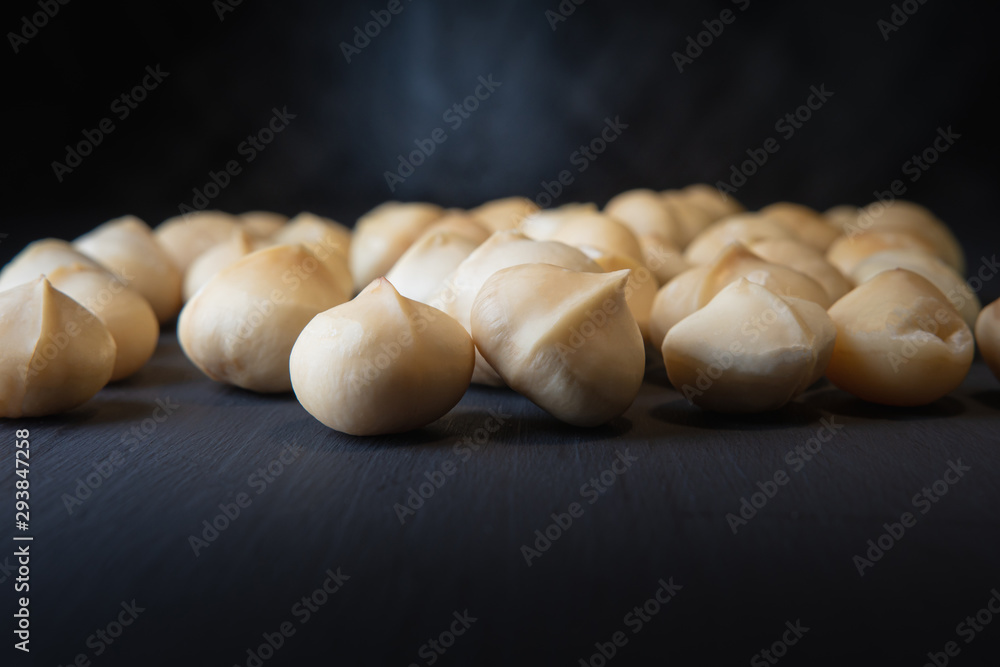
column 123, row 486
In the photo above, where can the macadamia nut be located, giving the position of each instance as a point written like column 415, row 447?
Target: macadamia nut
column 126, row 247
column 565, row 339
column 899, row 341
column 381, row 363
column 743, row 228
column 988, row 336
column 748, row 349
column 500, row 215
column 383, row 234
column 42, row 257
column 806, row 260
column 185, row 237
column 56, row 354
column 239, row 328
column 422, row 269
column 805, row 224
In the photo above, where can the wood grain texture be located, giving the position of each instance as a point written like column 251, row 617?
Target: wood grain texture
column 664, row 517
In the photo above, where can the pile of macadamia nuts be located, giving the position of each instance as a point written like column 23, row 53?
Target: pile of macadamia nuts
column 382, row 328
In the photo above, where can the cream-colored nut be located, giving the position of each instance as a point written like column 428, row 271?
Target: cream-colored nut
column 664, row 259
column 457, row 221
column 503, row 214
column 383, row 234
column 743, row 228
column 748, row 349
column 899, row 341
column 501, row 250
column 381, row 363
column 988, row 336
column 56, row 354
column 542, row 225
column 709, row 199
column 694, row 210
column 693, row 289
column 421, row 271
column 645, row 212
column 805, row 224
column 129, row 317
column 184, row 237
column 850, row 250
column 330, row 241
column 42, row 257
column 598, row 230
column 942, row 276
column 563, row 338
column 906, row 216
column 804, row 259
column 842, row 217
column 239, row 328
column 263, row 224
column 127, row 247
column 640, row 291
column 218, row 257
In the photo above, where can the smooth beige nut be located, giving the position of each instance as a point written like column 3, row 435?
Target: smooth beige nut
column 240, row 327
column 664, row 259
column 503, row 214
column 988, row 336
column 330, row 241
column 462, row 223
column 952, row 285
column 126, row 247
column 381, row 363
column 55, row 353
column 748, row 350
column 218, row 257
column 262, row 224
column 600, row 231
column 906, row 216
column 806, row 224
column 743, row 228
column 542, row 225
column 646, row 213
column 693, row 289
column 383, row 234
column 40, row 258
column 565, row 339
column 848, row 251
column 129, row 317
column 708, row 198
column 184, row 237
column 641, row 289
column 806, row 260
column 421, row 271
column 501, row 250
column 842, row 217
column 899, row 341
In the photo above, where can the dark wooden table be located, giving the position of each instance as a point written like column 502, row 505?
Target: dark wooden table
column 122, row 489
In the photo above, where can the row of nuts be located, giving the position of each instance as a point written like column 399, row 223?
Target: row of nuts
column 746, row 309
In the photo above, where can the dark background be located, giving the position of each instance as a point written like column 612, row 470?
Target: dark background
column 667, row 518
